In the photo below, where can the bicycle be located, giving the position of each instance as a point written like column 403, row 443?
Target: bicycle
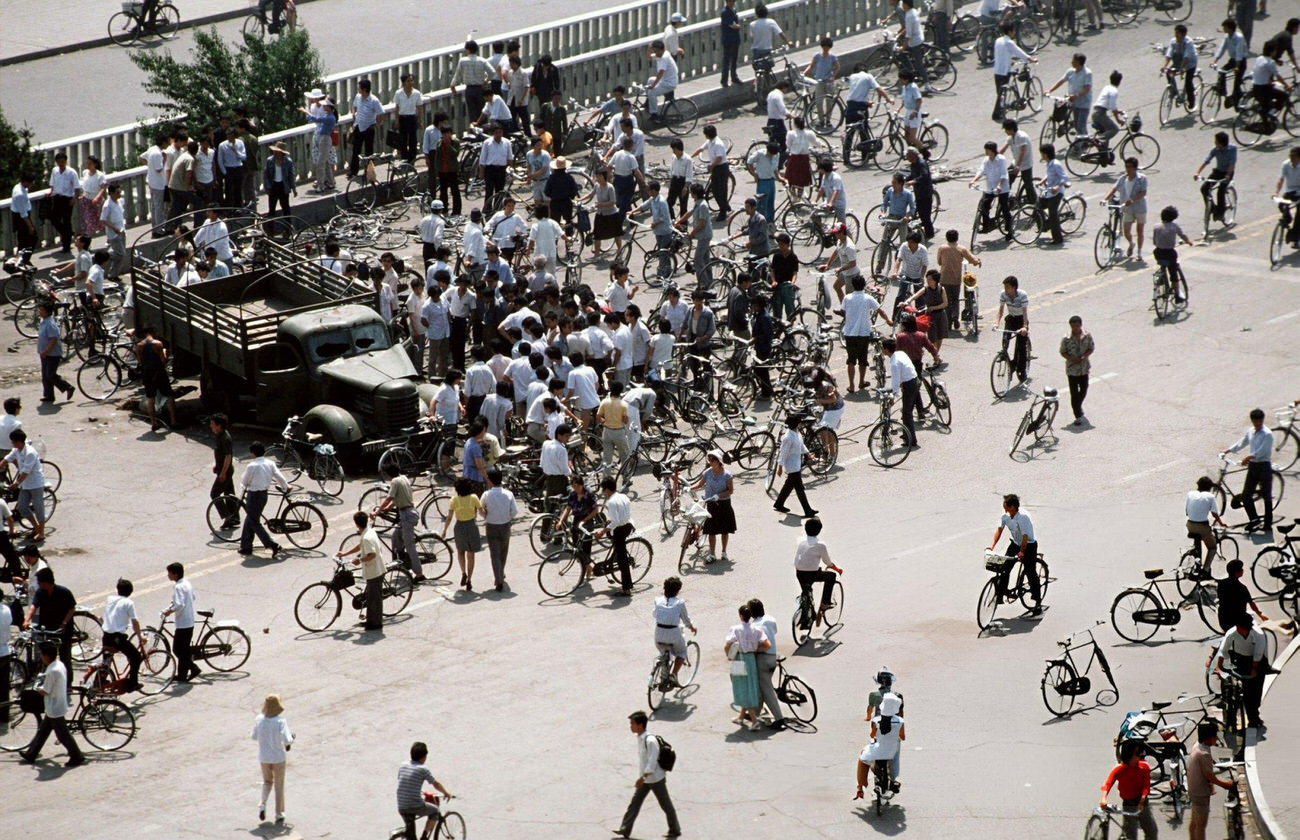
column 1278, row 241
column 434, row 550
column 693, row 540
column 889, row 442
column 679, row 116
column 561, row 573
column 433, row 446
column 1106, row 250
column 1168, row 295
column 809, row 613
column 1252, row 123
column 1008, row 370
column 224, row 645
column 1030, row 220
column 1038, row 418
column 1274, row 568
column 934, row 395
column 1174, row 96
column 1232, row 805
column 1286, row 440
column 1189, row 562
column 448, row 826
column 889, row 61
column 1138, row 611
column 1063, row 681
column 1126, row 11
column 795, row 693
column 1059, row 128
column 302, row 522
column 322, row 466
column 1229, row 216
column 970, row 313
column 1226, row 498
column 366, row 191
column 1024, row 90
column 156, row 669
column 988, row 219
column 860, row 148
column 999, row 589
column 258, row 22
column 318, row 605
column 126, row 27
column 662, row 682
column 1084, row 155
column 1105, row 816
column 1215, row 98
column 767, row 78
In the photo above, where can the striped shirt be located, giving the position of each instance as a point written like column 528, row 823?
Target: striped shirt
column 410, row 780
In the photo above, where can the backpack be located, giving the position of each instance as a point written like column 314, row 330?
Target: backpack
column 667, row 755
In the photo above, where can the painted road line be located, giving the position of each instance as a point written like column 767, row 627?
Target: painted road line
column 1135, row 476
column 1279, row 319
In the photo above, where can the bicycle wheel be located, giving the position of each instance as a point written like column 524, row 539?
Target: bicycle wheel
column 1230, row 209
column 1021, row 430
column 168, row 22
column 1286, row 448
column 1026, row 596
column 1277, row 245
column 1002, row 374
column 801, row 623
column 384, row 522
column 888, row 443
column 226, row 649
column 1072, row 213
column 1103, row 247
column 157, row 665
column 880, row 256
column 987, row 605
column 254, row 26
column 659, row 683
column 451, row 827
column 640, row 555
column 1058, row 676
column 1144, row 147
column 436, row 555
column 107, row 724
column 317, row 607
column 1210, row 107
column 87, row 638
column 686, row 676
column 1122, row 611
column 1045, row 420
column 1161, row 296
column 1176, row 10
column 224, row 515
column 1024, row 225
column 681, row 116
column 560, row 574
column 448, row 458
column 823, row 449
column 1082, row 157
column 327, row 472
column 940, row 69
column 17, row 728
column 99, row 377
column 800, row 697
column 1124, row 11
column 287, row 459
column 123, row 29
column 1034, row 95
column 755, row 450
column 1264, row 571
column 832, row 615
column 396, row 588
column 1166, row 110
column 304, row 525
column 26, row 319
column 934, row 141
column 360, row 195
column 670, row 509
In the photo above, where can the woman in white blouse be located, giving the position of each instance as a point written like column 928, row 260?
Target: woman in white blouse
column 743, row 641
column 798, row 166
column 94, row 189
column 271, row 732
column 670, row 617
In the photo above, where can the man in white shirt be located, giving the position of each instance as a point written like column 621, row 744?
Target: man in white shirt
column 1021, row 163
column 581, row 385
column 181, row 273
column 913, row 41
column 1244, row 650
column 1200, row 507
column 664, row 82
column 1005, row 49
column 672, row 41
column 767, row 659
column 113, row 217
column 256, row 483
column 20, row 207
column 859, row 309
column 499, row 511
column 54, row 688
column 618, row 514
column 65, row 187
column 789, row 460
column 182, row 606
column 1023, row 547
column 213, row 233
column 432, row 229
column 997, row 185
column 155, row 161
column 902, row 378
column 763, row 32
column 650, row 779
column 554, row 461
column 406, row 104
column 369, row 550
column 10, row 422
column 494, row 156
column 845, row 258
column 507, row 229
column 1259, row 470
column 1106, row 115
column 119, row 620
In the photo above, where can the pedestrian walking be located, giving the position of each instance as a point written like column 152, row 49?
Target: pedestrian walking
column 274, row 740
column 1201, row 780
column 256, row 483
column 499, row 510
column 152, row 357
column 1134, row 778
column 651, row 778
column 402, row 499
column 54, row 690
column 462, row 509
column 370, row 558
column 718, row 488
column 182, row 606
column 1076, row 349
column 744, row 641
column 903, row 380
column 29, row 481
column 223, row 468
column 1259, row 470
column 49, row 347
column 65, row 189
column 766, row 660
column 52, row 608
column 789, row 460
column 618, row 515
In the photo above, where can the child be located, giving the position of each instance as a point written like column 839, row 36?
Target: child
column 447, row 404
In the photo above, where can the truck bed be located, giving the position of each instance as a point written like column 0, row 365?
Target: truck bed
column 224, row 322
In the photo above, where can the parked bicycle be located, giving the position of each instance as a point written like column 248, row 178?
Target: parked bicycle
column 127, row 26
column 1286, row 439
column 223, row 645
column 1139, row 611
column 1275, row 567
column 1064, row 682
column 302, row 522
column 367, row 190
column 795, row 693
column 321, row 464
column 1000, row 589
column 1038, row 418
column 888, row 442
column 1106, row 248
column 662, row 682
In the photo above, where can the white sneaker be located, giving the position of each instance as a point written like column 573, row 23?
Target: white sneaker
column 725, row 558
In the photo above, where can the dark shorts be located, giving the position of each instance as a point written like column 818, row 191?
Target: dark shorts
column 156, row 382
column 857, row 347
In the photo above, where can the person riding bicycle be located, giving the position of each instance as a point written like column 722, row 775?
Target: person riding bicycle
column 1164, row 241
column 846, row 256
column 1270, row 99
column 149, row 13
column 887, row 735
column 897, row 205
column 1023, row 547
column 1200, row 507
column 1104, row 125
column 582, row 505
column 812, row 564
column 997, row 186
column 1021, row 163
column 1015, row 304
column 1224, row 156
column 412, row 803
column 670, row 617
column 1288, row 187
column 1235, row 48
column 1180, row 57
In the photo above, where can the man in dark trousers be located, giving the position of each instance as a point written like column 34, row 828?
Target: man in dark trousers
column 651, row 778
column 223, row 468
column 54, row 688
column 1235, row 598
column 730, row 37
column 1259, row 470
column 53, row 607
column 183, row 606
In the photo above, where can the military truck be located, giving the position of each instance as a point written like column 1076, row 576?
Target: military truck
column 288, row 337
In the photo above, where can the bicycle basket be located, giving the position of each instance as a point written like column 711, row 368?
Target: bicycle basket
column 1136, row 123
column 1061, row 111
column 343, row 579
column 698, row 514
column 133, row 6
column 995, row 562
column 828, row 240
column 1023, row 75
column 323, row 449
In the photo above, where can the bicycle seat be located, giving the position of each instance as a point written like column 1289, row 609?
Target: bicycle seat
column 780, row 659
column 1152, row 574
column 204, row 613
column 314, row 437
column 1161, row 704
column 1049, row 392
column 1286, row 529
column 672, row 433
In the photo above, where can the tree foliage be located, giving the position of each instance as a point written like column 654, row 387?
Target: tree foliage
column 16, row 155
column 266, row 74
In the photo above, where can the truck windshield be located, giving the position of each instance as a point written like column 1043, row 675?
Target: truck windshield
column 337, row 344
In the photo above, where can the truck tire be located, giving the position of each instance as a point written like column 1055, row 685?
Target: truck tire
column 212, row 396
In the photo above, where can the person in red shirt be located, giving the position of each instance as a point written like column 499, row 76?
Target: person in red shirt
column 1134, row 778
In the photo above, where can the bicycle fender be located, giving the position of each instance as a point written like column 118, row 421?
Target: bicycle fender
column 227, row 622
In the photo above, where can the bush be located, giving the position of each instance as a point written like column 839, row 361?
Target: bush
column 17, row 157
column 267, row 74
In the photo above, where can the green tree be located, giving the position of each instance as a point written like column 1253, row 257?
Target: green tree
column 16, row 156
column 269, row 75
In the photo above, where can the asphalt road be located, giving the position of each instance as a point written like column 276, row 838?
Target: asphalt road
column 523, row 700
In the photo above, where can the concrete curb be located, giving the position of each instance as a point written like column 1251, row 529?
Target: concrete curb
column 1264, row 819
column 105, row 41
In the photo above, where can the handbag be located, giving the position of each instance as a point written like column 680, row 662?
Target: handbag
column 739, row 668
column 584, row 220
column 334, row 137
column 31, row 701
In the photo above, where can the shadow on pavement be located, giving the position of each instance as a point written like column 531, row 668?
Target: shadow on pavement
column 890, row 823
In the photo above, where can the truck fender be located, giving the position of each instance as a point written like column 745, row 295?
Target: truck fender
column 426, row 391
column 337, row 424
